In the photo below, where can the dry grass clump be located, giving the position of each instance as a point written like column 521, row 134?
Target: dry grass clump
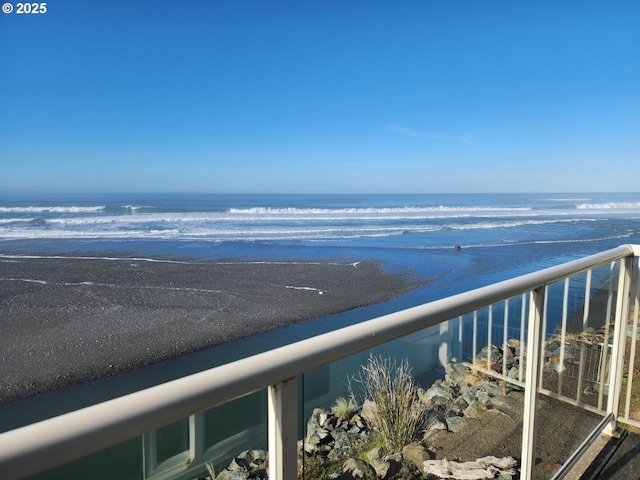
column 345, row 409
column 391, row 397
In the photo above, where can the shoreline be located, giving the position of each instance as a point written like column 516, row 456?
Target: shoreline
column 71, row 319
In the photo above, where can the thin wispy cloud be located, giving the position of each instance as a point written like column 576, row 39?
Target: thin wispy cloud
column 432, row 136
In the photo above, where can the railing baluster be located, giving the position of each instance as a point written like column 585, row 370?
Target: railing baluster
column 460, row 338
column 475, row 336
column 544, row 328
column 523, row 312
column 563, row 335
column 489, row 328
column 505, row 336
column 283, row 429
column 585, row 323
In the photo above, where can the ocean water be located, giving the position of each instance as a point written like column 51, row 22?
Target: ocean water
column 500, row 235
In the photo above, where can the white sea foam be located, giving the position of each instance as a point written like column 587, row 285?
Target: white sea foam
column 610, row 206
column 351, row 211
column 135, row 208
column 15, row 220
column 53, row 209
column 269, row 232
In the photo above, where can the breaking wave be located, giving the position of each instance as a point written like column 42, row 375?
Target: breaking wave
column 53, row 209
column 609, row 206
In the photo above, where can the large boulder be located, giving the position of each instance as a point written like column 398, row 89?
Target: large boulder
column 355, row 469
column 416, row 454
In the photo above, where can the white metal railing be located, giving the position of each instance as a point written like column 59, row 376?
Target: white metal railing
column 44, row 445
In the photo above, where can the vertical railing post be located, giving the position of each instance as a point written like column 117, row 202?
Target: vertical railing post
column 533, row 375
column 619, row 342
column 444, row 351
column 460, row 352
column 505, row 336
column 475, row 337
column 563, row 335
column 634, row 339
column 489, row 337
column 523, row 314
column 283, row 430
column 585, row 324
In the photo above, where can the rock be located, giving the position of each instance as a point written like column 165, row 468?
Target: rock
column 388, row 467
column 394, row 457
column 509, row 354
column 395, row 462
column 256, row 458
column 436, row 391
column 317, row 421
column 381, row 467
column 456, row 410
column 457, row 373
column 492, row 388
column 495, row 411
column 479, row 392
column 239, row 463
column 353, row 468
column 375, row 453
column 333, row 454
column 359, row 421
column 434, row 421
column 341, row 439
column 438, row 403
column 455, row 424
column 369, row 411
column 474, row 409
column 484, row 354
column 232, row 475
column 483, row 397
column 416, row 454
column 500, row 403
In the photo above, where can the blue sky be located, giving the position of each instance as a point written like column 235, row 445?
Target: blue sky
column 321, row 96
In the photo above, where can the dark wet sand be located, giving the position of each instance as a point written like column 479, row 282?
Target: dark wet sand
column 65, row 320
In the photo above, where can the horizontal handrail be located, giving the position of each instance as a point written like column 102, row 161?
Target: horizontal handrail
column 73, row 435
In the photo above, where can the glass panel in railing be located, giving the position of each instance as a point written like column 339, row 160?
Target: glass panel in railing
column 123, row 461
column 170, row 441
column 234, row 435
column 579, row 328
column 405, row 403
column 561, row 429
column 579, row 317
column 230, row 436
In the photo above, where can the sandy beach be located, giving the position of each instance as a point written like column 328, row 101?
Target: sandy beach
column 65, row 320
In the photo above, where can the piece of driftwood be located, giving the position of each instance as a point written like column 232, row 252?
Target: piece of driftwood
column 482, row 468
